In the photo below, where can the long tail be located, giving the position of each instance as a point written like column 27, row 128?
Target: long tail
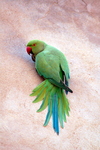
column 58, row 105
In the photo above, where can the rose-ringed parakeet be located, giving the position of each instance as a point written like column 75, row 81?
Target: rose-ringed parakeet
column 51, row 64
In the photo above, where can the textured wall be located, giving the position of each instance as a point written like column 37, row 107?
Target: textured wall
column 73, row 26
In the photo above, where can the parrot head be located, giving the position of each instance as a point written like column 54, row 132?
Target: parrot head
column 35, row 46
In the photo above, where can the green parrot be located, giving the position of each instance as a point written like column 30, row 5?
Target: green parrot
column 51, row 64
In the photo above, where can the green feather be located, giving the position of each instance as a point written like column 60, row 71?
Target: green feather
column 39, row 86
column 50, row 102
column 44, row 103
column 66, row 104
column 43, row 93
column 40, row 96
column 49, row 112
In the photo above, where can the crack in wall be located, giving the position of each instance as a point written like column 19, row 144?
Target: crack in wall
column 84, row 2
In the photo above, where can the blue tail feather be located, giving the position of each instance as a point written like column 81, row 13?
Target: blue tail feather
column 55, row 114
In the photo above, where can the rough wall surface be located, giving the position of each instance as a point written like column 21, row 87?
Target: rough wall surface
column 73, row 26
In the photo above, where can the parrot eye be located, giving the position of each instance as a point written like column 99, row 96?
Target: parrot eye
column 34, row 45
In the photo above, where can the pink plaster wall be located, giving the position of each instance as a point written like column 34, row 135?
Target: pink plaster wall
column 73, row 26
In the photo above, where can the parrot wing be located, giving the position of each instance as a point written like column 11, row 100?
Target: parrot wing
column 65, row 69
column 50, row 66
column 64, row 66
column 47, row 66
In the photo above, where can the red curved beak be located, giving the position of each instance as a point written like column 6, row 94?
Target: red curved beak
column 29, row 50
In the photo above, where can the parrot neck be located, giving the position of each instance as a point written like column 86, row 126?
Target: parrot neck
column 35, row 54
